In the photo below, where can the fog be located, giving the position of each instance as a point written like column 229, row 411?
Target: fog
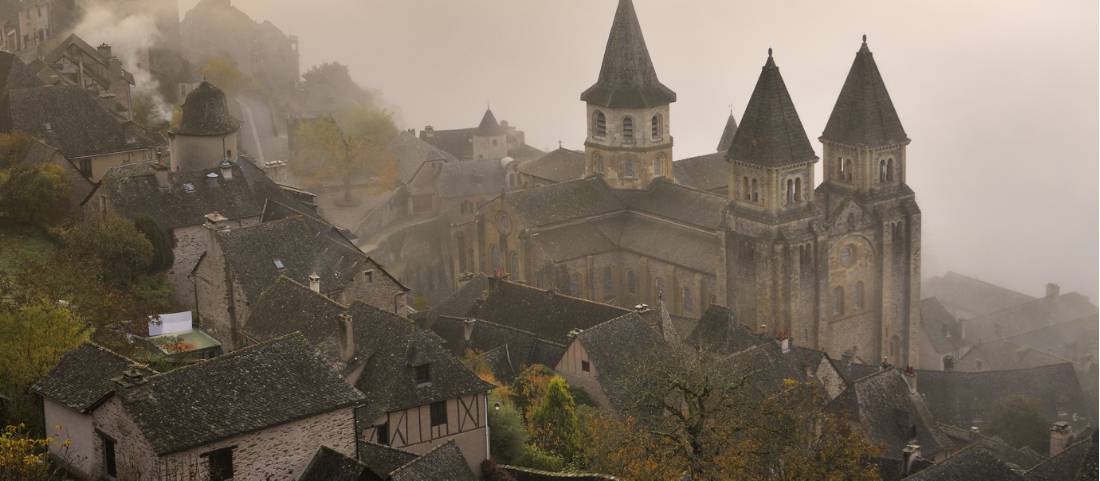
column 999, row 97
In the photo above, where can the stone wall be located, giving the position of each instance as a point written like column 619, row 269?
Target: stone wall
column 373, row 287
column 191, row 153
column 72, row 440
column 608, row 154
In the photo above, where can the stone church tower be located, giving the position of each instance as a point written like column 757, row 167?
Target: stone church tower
column 628, row 141
column 836, row 268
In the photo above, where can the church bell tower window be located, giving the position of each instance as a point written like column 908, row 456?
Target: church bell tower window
column 628, row 130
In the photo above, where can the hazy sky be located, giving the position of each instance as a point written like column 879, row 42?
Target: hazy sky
column 1000, row 97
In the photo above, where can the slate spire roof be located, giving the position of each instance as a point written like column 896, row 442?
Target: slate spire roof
column 489, row 125
column 206, row 113
column 627, row 77
column 864, row 113
column 771, row 133
column 727, row 134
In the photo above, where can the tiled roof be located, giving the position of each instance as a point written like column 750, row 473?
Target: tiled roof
column 559, row 165
column 718, row 332
column 975, row 297
column 766, row 367
column 971, row 464
column 470, row 177
column 705, row 172
column 411, row 152
column 1029, row 316
column 864, row 113
column 620, row 349
column 489, row 126
column 288, row 306
column 329, row 465
column 941, row 328
column 1002, row 355
column 726, row 141
column 15, row 74
column 627, row 77
column 81, row 380
column 72, row 119
column 1004, row 452
column 444, row 463
column 206, row 113
column 501, row 344
column 250, row 389
column 1076, row 463
column 771, row 133
column 457, row 142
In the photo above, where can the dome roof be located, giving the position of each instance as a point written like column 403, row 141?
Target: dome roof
column 206, row 113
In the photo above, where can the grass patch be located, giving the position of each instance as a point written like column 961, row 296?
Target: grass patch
column 19, row 244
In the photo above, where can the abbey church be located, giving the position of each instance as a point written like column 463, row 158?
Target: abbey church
column 834, row 267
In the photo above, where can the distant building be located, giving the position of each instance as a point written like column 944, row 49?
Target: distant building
column 217, row 29
column 25, row 24
column 489, row 140
column 74, row 62
column 966, row 297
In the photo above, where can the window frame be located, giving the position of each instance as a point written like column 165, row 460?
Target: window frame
column 216, row 457
column 437, row 413
column 628, row 130
column 599, row 127
column 422, row 374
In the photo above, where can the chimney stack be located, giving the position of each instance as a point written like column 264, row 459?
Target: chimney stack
column 975, row 432
column 785, row 344
column 227, row 169
column 215, row 221
column 909, row 454
column 348, row 350
column 315, row 283
column 1053, row 290
column 1060, row 437
column 130, row 378
column 104, row 51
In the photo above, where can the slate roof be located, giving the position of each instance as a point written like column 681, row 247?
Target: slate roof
column 546, row 314
column 766, row 367
column 500, row 364
column 890, row 414
column 967, row 297
column 443, row 463
column 864, row 113
column 411, row 152
column 941, row 328
column 329, row 465
column 728, row 132
column 15, row 74
column 1004, row 452
column 489, row 126
column 71, row 119
column 1004, row 354
column 962, row 398
column 718, row 332
column 971, row 464
column 619, row 349
column 705, row 172
column 505, row 347
column 456, row 142
column 1069, row 340
column 287, row 307
column 627, row 77
column 559, row 165
column 81, row 379
column 771, row 133
column 132, row 190
column 1076, row 463
column 1029, row 316
column 247, row 390
column 206, row 113
column 383, row 459
column 470, row 177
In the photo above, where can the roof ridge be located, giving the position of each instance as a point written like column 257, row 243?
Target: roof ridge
column 231, row 354
column 559, row 293
column 297, row 284
column 421, row 456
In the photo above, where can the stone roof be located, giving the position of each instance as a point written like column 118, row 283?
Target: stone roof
column 967, row 297
column 505, row 347
column 891, row 415
column 247, row 390
column 72, row 119
column 627, row 77
column 383, row 459
column 728, row 132
column 411, row 152
column 963, row 398
column 132, row 190
column 560, row 165
column 470, row 177
column 489, row 126
column 1069, row 340
column 771, row 134
column 81, row 379
column 718, row 332
column 206, row 113
column 1004, row 354
column 287, row 306
column 543, row 313
column 766, row 367
column 1029, row 316
column 456, row 142
column 941, row 328
column 1004, row 452
column 15, row 74
column 620, row 349
column 329, row 465
column 864, row 113
column 971, row 464
column 705, row 172
column 1076, row 463
column 444, row 462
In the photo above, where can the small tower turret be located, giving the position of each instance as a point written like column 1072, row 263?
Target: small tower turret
column 207, row 134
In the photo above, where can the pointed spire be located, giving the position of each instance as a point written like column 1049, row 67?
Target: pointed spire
column 728, row 134
column 864, row 113
column 771, row 133
column 489, row 125
column 627, row 77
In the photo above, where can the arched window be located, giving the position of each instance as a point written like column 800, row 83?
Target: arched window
column 838, row 301
column 790, row 191
column 686, row 300
column 575, row 284
column 599, row 124
column 608, row 283
column 460, row 239
column 628, row 169
column 658, row 288
column 847, row 169
column 798, row 189
column 882, row 170
column 631, row 281
column 494, row 255
column 655, row 127
column 597, row 162
column 628, row 130
column 659, row 165
column 890, row 170
column 755, row 191
column 858, row 296
column 745, row 192
column 513, row 264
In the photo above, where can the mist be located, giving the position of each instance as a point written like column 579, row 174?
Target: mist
column 999, row 97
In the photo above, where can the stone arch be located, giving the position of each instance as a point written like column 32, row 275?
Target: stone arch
column 599, row 124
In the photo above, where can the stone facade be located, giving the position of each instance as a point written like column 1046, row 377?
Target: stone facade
column 629, row 147
column 192, row 152
column 412, row 429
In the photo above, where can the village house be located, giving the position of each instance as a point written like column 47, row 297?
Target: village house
column 25, row 24
column 75, row 62
column 256, row 414
column 382, row 463
column 420, row 395
column 1075, row 461
column 940, row 339
column 490, row 140
column 1016, row 458
column 966, row 297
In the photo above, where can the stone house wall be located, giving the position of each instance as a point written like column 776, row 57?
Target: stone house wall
column 98, row 165
column 191, row 153
column 373, row 287
column 570, row 367
column 72, row 439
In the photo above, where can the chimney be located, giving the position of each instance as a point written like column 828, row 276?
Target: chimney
column 909, row 454
column 130, row 378
column 948, row 363
column 216, row 222
column 315, row 283
column 227, row 169
column 1060, row 437
column 468, row 328
column 1053, row 290
column 160, row 171
column 348, row 350
column 104, row 51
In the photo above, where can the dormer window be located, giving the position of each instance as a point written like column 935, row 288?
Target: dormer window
column 423, row 374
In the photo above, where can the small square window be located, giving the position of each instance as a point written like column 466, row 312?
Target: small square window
column 585, row 366
column 220, row 464
column 439, row 413
column 369, row 274
column 382, row 434
column 424, row 374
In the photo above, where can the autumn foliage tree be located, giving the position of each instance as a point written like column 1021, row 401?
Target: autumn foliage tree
column 34, row 194
column 345, row 145
column 553, row 423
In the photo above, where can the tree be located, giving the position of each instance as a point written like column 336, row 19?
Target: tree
column 32, row 340
column 162, row 248
column 34, row 194
column 554, row 421
column 333, row 82
column 1019, row 420
column 529, row 387
column 150, row 111
column 343, row 144
column 113, row 246
column 13, row 148
column 22, row 456
column 507, row 435
column 224, row 74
